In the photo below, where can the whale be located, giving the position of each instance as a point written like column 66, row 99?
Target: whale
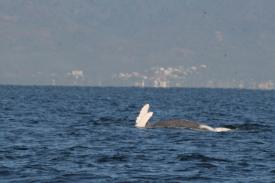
column 142, row 121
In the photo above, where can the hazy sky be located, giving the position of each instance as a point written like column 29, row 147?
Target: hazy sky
column 45, row 39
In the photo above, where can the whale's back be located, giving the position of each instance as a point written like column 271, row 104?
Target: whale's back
column 175, row 124
column 142, row 121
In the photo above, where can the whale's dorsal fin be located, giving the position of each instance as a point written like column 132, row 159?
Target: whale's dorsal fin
column 144, row 116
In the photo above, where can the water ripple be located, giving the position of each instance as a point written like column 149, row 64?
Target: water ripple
column 70, row 134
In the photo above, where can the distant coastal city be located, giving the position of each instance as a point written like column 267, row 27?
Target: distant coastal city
column 164, row 77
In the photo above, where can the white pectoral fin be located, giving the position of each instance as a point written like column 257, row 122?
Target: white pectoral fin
column 218, row 129
column 144, row 116
column 206, row 127
column 147, row 117
column 144, row 110
column 222, row 129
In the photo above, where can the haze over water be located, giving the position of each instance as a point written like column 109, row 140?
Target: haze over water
column 90, row 42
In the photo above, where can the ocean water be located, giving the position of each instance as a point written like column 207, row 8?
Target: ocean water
column 86, row 134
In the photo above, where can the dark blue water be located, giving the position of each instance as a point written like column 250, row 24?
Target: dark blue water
column 67, row 134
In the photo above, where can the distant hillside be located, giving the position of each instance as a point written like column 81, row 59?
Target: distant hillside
column 42, row 38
